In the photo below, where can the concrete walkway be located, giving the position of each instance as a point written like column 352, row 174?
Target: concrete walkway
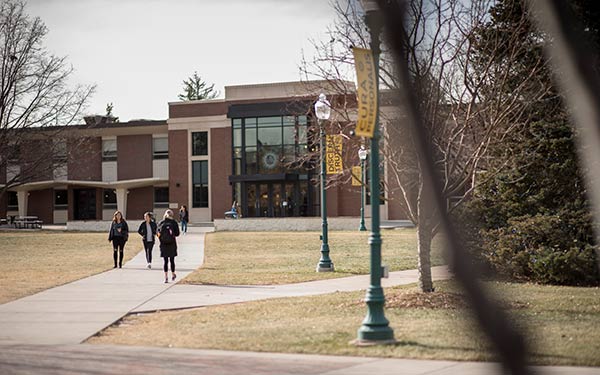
column 186, row 296
column 71, row 313
column 132, row 360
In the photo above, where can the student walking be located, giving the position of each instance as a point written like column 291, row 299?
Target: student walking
column 118, row 234
column 168, row 230
column 184, row 217
column 147, row 230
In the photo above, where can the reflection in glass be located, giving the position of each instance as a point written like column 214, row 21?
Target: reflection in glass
column 269, row 136
column 250, row 137
column 251, row 201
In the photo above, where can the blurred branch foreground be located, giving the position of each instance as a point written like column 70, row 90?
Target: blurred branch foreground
column 578, row 78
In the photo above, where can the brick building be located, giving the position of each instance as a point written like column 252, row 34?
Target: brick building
column 205, row 155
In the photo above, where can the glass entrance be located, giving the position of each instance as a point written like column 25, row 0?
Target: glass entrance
column 276, row 199
column 85, row 204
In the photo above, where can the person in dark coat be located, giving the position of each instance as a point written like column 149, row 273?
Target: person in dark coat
column 168, row 230
column 118, row 234
column 147, row 230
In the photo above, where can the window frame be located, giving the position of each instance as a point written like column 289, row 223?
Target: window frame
column 161, row 154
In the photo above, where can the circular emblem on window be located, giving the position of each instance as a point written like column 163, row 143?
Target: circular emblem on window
column 270, row 160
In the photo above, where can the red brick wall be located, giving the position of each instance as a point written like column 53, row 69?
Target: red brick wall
column 178, row 167
column 349, row 200
column 220, row 170
column 84, row 161
column 134, row 157
column 200, row 109
column 41, row 204
column 34, row 166
column 139, row 201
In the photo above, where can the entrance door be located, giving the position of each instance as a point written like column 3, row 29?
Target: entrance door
column 264, row 200
column 84, row 204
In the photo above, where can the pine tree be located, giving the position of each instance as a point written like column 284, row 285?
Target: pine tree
column 195, row 88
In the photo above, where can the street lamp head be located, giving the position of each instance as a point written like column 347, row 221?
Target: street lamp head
column 369, row 5
column 323, row 108
column 362, row 153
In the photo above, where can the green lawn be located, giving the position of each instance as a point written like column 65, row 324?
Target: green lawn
column 38, row 260
column 254, row 258
column 563, row 325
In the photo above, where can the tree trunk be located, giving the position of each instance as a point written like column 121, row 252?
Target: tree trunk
column 424, row 251
column 424, row 237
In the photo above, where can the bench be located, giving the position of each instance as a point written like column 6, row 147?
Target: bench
column 28, row 222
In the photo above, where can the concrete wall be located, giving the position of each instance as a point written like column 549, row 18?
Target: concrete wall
column 91, row 226
column 288, row 224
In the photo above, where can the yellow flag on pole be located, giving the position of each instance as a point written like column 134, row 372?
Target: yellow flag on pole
column 356, row 176
column 333, row 155
column 366, row 92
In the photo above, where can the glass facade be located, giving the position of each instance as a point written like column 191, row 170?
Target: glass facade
column 271, row 163
column 269, row 145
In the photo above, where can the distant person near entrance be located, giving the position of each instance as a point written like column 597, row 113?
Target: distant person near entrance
column 118, row 234
column 168, row 230
column 184, row 217
column 147, row 230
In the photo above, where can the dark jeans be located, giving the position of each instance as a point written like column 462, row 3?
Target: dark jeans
column 184, row 226
column 118, row 244
column 148, row 246
column 166, row 264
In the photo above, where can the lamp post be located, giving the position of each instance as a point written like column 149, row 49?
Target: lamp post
column 375, row 327
column 323, row 111
column 362, row 155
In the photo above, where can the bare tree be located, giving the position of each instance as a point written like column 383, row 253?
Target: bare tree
column 35, row 97
column 464, row 101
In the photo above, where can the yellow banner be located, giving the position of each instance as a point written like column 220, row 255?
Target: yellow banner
column 333, row 154
column 366, row 92
column 356, row 176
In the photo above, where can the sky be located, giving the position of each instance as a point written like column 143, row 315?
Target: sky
column 138, row 52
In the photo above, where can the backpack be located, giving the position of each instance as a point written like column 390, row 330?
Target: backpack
column 167, row 233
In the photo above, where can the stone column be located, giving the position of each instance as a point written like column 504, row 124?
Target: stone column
column 122, row 200
column 22, row 198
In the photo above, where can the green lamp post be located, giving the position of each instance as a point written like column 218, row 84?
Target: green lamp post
column 323, row 111
column 375, row 327
column 362, row 155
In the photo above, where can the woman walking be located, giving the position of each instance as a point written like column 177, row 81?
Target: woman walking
column 147, row 230
column 118, row 234
column 184, row 216
column 167, row 231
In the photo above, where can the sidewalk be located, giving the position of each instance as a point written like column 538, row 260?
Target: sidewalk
column 134, row 360
column 187, row 296
column 71, row 313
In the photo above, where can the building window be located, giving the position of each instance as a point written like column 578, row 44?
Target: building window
column 200, row 183
column 268, row 145
column 60, row 152
column 13, row 201
column 200, row 144
column 109, row 199
column 109, row 150
column 61, row 200
column 161, row 197
column 160, row 148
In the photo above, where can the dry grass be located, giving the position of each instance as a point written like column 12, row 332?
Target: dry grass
column 259, row 258
column 38, row 260
column 563, row 325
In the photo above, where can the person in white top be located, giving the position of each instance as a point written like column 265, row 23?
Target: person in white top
column 147, row 230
